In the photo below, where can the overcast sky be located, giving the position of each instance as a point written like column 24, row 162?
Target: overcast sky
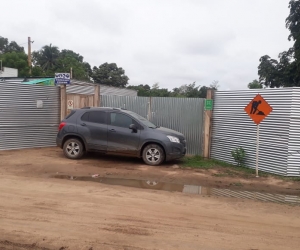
column 172, row 42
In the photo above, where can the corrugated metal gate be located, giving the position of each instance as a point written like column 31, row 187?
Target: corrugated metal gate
column 279, row 144
column 23, row 122
column 181, row 114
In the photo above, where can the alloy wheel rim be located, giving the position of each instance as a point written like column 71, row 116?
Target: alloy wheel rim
column 153, row 155
column 73, row 149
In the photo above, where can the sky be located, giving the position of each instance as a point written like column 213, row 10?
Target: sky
column 170, row 42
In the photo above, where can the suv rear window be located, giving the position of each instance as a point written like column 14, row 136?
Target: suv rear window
column 69, row 115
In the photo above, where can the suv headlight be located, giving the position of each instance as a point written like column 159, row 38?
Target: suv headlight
column 173, row 139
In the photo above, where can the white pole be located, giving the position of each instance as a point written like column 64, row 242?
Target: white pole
column 257, row 149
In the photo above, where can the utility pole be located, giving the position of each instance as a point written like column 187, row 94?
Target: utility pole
column 29, row 54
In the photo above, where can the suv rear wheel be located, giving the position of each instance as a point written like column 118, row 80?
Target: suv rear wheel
column 73, row 149
column 153, row 155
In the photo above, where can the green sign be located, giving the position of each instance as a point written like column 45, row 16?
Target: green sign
column 208, row 104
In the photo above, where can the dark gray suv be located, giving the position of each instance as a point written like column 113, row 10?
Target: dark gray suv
column 120, row 132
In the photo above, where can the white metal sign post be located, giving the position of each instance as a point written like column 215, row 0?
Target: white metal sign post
column 258, row 109
column 257, row 150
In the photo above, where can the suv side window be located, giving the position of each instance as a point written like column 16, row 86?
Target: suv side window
column 85, row 117
column 95, row 117
column 121, row 120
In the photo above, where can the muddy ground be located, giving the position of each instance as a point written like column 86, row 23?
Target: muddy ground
column 41, row 212
column 45, row 162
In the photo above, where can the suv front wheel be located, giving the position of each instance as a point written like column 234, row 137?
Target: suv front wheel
column 73, row 149
column 153, row 155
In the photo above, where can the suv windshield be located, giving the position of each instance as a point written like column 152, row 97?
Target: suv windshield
column 142, row 120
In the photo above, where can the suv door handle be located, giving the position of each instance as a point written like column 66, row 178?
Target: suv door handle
column 112, row 130
column 83, row 124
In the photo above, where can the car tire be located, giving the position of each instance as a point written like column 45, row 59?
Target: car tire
column 73, row 149
column 153, row 155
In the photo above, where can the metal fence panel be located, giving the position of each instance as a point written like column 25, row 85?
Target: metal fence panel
column 85, row 88
column 293, row 168
column 232, row 127
column 181, row 114
column 137, row 104
column 184, row 115
column 22, row 123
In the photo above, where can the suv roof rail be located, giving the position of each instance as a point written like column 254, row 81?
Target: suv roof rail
column 86, row 108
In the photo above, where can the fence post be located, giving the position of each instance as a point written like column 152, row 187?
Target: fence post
column 63, row 101
column 97, row 95
column 207, row 127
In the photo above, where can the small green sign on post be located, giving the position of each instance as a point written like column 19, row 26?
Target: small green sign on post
column 208, row 104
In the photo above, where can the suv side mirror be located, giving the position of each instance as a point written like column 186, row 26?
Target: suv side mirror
column 133, row 127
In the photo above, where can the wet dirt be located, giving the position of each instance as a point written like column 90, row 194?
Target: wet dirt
column 190, row 189
column 42, row 162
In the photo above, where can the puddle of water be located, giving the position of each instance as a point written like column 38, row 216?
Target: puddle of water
column 191, row 189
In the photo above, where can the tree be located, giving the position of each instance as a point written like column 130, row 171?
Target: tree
column 186, row 90
column 142, row 90
column 46, row 58
column 50, row 60
column 284, row 72
column 6, row 46
column 255, row 85
column 156, row 91
column 192, row 91
column 17, row 60
column 68, row 59
column 110, row 74
column 214, row 85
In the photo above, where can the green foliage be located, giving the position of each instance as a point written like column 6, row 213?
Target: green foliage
column 198, row 161
column 7, row 47
column 254, row 85
column 16, row 60
column 50, row 59
column 238, row 155
column 186, row 90
column 285, row 71
column 110, row 74
column 46, row 58
column 142, row 90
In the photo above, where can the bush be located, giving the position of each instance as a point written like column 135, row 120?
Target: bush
column 238, row 155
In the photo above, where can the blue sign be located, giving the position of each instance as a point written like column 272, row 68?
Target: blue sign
column 62, row 78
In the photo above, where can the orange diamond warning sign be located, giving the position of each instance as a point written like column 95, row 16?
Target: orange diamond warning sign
column 258, row 109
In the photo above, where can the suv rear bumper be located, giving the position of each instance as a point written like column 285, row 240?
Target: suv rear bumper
column 59, row 142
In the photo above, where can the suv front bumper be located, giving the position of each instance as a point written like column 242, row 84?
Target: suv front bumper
column 175, row 151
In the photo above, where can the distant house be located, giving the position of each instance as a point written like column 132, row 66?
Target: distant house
column 8, row 72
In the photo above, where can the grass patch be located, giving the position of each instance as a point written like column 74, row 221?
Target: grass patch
column 196, row 162
column 227, row 170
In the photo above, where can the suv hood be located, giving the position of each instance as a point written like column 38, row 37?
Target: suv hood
column 168, row 131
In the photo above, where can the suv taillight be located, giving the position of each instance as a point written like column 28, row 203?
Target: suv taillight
column 61, row 125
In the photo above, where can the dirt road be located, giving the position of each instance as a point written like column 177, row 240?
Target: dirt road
column 38, row 212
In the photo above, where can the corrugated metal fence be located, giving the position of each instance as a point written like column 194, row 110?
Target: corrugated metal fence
column 279, row 147
column 181, row 114
column 22, row 123
column 84, row 88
